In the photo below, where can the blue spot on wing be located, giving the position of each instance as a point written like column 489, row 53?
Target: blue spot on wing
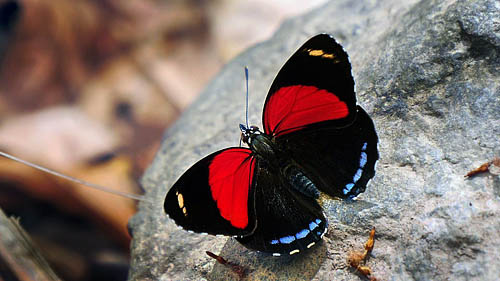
column 287, row 239
column 312, row 225
column 357, row 176
column 362, row 159
column 301, row 234
column 348, row 188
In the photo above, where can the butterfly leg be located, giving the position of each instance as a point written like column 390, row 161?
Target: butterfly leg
column 356, row 258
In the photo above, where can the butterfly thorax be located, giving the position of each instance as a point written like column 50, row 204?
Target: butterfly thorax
column 264, row 148
column 260, row 143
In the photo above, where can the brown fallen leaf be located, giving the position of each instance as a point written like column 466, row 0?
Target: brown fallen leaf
column 355, row 258
column 492, row 166
column 238, row 269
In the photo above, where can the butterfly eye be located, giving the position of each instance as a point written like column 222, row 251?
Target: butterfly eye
column 254, row 130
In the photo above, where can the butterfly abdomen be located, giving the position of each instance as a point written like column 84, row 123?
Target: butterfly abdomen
column 300, row 182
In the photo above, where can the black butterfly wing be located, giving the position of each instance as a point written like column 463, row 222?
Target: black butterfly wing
column 215, row 196
column 287, row 221
column 340, row 161
column 314, row 88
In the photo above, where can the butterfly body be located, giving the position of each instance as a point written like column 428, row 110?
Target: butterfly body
column 275, row 160
column 260, row 144
column 315, row 139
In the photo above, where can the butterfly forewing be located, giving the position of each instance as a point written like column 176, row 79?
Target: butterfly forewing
column 215, row 195
column 314, row 86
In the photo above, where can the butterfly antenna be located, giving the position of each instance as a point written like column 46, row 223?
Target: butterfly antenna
column 246, row 111
column 82, row 182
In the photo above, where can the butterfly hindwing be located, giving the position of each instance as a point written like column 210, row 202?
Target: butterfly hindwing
column 340, row 161
column 287, row 221
column 215, row 195
column 314, row 86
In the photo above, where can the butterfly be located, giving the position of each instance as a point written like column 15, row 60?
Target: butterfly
column 315, row 140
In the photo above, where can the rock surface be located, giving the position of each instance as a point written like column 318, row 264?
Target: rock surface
column 428, row 74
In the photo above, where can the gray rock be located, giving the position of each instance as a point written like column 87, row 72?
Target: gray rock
column 428, row 73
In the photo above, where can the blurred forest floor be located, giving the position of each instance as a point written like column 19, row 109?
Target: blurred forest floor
column 87, row 88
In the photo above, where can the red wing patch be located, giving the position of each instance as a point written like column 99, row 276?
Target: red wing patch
column 293, row 107
column 230, row 180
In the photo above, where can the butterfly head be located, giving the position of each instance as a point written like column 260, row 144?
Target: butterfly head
column 248, row 132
